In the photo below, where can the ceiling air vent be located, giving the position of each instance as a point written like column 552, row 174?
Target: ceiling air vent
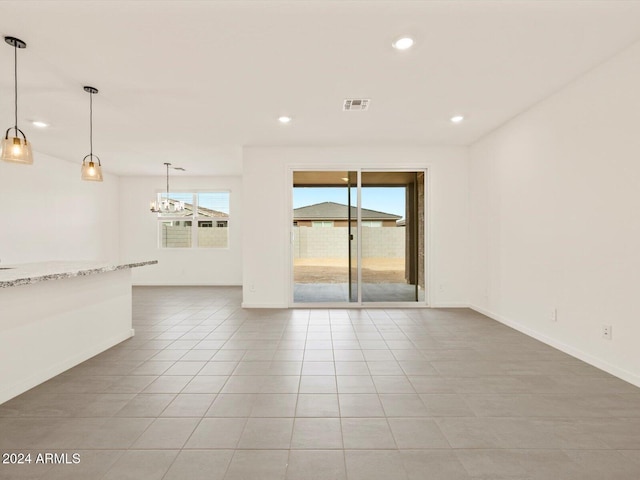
column 352, row 104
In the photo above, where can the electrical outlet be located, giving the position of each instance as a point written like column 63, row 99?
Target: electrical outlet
column 553, row 314
column 607, row 332
column 252, row 287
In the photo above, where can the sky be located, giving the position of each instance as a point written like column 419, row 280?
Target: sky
column 381, row 199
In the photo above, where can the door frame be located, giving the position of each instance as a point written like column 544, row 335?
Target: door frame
column 427, row 170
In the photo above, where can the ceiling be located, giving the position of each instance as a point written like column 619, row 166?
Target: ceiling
column 191, row 83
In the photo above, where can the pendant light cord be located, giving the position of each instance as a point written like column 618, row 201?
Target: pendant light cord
column 168, row 182
column 15, row 77
column 91, row 125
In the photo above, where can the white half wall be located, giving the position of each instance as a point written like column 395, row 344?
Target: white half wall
column 48, row 213
column 51, row 326
column 554, row 198
column 177, row 266
column 267, row 187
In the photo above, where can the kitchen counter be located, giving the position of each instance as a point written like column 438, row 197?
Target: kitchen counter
column 28, row 273
column 56, row 315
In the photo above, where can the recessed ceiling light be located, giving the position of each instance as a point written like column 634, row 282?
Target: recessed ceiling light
column 40, row 124
column 284, row 119
column 403, row 43
column 457, row 118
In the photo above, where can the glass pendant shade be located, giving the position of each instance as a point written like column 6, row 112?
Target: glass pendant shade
column 91, row 171
column 16, row 150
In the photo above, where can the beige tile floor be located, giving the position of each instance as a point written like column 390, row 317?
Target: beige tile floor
column 206, row 390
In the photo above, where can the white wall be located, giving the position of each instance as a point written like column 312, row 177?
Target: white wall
column 48, row 213
column 554, row 199
column 139, row 234
column 267, row 187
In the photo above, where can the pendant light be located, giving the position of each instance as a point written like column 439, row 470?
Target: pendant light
column 14, row 148
column 90, row 171
column 167, row 205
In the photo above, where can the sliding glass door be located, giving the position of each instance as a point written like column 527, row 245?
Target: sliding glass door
column 358, row 237
column 392, row 234
column 325, row 247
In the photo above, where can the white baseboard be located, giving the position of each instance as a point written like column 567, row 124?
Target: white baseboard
column 264, row 305
column 619, row 372
column 161, row 284
column 342, row 306
column 449, row 305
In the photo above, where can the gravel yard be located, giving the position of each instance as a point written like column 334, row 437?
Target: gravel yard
column 336, row 270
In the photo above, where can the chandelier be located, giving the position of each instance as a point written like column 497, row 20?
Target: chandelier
column 167, row 205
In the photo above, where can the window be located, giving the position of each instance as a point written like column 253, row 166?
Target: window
column 371, row 223
column 204, row 222
column 323, row 224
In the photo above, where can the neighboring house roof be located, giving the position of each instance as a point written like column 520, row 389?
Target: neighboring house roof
column 207, row 212
column 337, row 211
column 202, row 212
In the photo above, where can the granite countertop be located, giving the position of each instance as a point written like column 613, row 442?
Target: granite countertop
column 27, row 273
